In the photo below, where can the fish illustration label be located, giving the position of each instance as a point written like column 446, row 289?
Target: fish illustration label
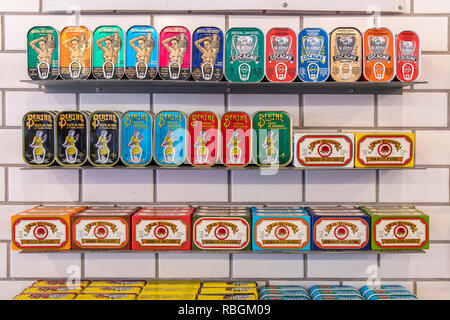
column 141, row 61
column 203, row 138
column 43, row 53
column 170, row 138
column 313, row 60
column 108, row 53
column 281, row 55
column 75, row 53
column 71, row 138
column 104, row 138
column 207, row 54
column 175, row 53
column 341, row 233
column 137, row 137
column 379, row 55
column 408, row 53
column 235, row 128
column 244, row 55
column 38, row 142
column 345, row 54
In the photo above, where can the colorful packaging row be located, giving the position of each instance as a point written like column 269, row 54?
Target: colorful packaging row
column 220, row 228
column 72, row 138
column 242, row 55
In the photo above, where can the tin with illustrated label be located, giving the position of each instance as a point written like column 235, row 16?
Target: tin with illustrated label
column 170, row 138
column 314, row 52
column 272, row 137
column 174, row 53
column 43, row 53
column 75, row 53
column 281, row 55
column 104, row 138
column 203, row 138
column 407, row 56
column 235, row 129
column 244, row 55
column 207, row 54
column 71, row 138
column 108, row 53
column 141, row 61
column 38, row 141
column 137, row 138
column 379, row 55
column 346, row 54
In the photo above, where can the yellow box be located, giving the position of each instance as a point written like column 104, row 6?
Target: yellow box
column 162, row 283
column 218, row 284
column 56, row 289
column 237, row 296
column 45, row 296
column 167, row 297
column 117, row 283
column 228, row 290
column 58, row 283
column 110, row 289
column 384, row 150
column 106, row 296
column 170, row 290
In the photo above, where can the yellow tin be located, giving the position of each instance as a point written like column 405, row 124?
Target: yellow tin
column 45, row 296
column 58, row 283
column 115, row 289
column 168, row 297
column 106, row 296
column 117, row 283
column 238, row 296
column 227, row 290
column 219, row 284
column 56, row 289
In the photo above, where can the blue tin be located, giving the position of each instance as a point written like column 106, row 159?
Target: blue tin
column 295, row 288
column 170, row 138
column 330, row 287
column 393, row 297
column 137, row 138
column 338, row 297
column 278, row 297
column 379, row 292
column 141, row 60
column 207, row 54
column 340, row 292
column 286, row 293
column 366, row 288
column 314, row 55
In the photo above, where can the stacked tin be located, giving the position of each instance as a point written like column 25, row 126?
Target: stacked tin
column 170, row 290
column 234, row 290
column 283, row 292
column 386, row 292
column 334, row 292
column 111, row 290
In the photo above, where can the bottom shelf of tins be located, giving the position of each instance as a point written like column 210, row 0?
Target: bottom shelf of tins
column 204, row 290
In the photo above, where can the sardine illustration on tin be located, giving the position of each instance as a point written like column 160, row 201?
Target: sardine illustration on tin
column 104, row 141
column 141, row 53
column 379, row 54
column 71, row 138
column 108, row 53
column 43, row 53
column 137, row 137
column 75, row 53
column 408, row 53
column 345, row 54
column 174, row 53
column 281, row 55
column 314, row 63
column 203, row 135
column 38, row 138
column 207, row 54
column 170, row 138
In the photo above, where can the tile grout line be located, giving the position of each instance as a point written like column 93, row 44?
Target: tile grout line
column 156, row 265
column 375, row 110
column 3, row 28
column 3, row 93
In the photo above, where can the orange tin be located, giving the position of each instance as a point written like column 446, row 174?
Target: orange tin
column 379, row 55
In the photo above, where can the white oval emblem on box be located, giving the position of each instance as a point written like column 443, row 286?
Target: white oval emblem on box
column 400, row 232
column 341, row 233
column 44, row 233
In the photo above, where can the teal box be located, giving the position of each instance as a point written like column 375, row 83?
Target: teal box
column 137, row 138
column 170, row 138
column 281, row 228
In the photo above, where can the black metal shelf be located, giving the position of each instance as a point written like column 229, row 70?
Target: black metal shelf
column 220, row 87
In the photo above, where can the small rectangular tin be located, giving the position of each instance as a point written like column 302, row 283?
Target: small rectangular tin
column 408, row 55
column 62, row 283
column 392, row 297
column 221, row 230
column 378, row 292
column 283, row 288
column 346, row 54
column 367, row 288
column 45, row 296
column 314, row 55
column 137, row 138
column 117, row 283
column 174, row 283
column 236, row 133
column 104, row 138
column 379, row 55
column 38, row 138
column 280, row 297
column 174, row 53
column 338, row 297
column 162, row 229
column 108, row 53
column 141, row 61
column 202, row 138
column 324, row 150
column 244, row 55
column 384, row 149
column 281, row 55
column 220, row 284
column 236, row 296
column 106, row 296
column 170, row 138
column 336, row 230
column 54, row 289
column 207, row 54
column 170, row 290
column 227, row 290
column 272, row 138
column 340, row 292
column 112, row 289
column 75, row 53
column 43, row 53
column 71, row 138
column 286, row 293
column 330, row 287
column 167, row 297
column 281, row 230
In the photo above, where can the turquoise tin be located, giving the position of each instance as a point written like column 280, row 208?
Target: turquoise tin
column 141, row 61
column 137, row 138
column 170, row 138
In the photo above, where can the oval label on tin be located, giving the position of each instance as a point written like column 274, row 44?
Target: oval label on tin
column 75, row 53
column 203, row 138
column 108, row 53
column 104, row 138
column 207, row 54
column 38, row 138
column 281, row 55
column 244, row 55
column 235, row 128
column 379, row 59
column 345, row 54
column 137, row 135
column 170, row 138
column 43, row 53
column 407, row 56
column 341, row 233
column 175, row 53
column 141, row 61
column 221, row 233
column 71, row 138
column 313, row 60
column 281, row 233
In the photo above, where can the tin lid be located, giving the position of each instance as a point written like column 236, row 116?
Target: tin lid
column 104, row 213
column 222, row 214
column 281, row 214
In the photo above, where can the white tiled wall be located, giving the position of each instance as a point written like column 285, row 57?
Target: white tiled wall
column 424, row 109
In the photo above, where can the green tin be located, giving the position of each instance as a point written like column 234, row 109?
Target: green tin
column 108, row 53
column 244, row 55
column 272, row 138
column 43, row 53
